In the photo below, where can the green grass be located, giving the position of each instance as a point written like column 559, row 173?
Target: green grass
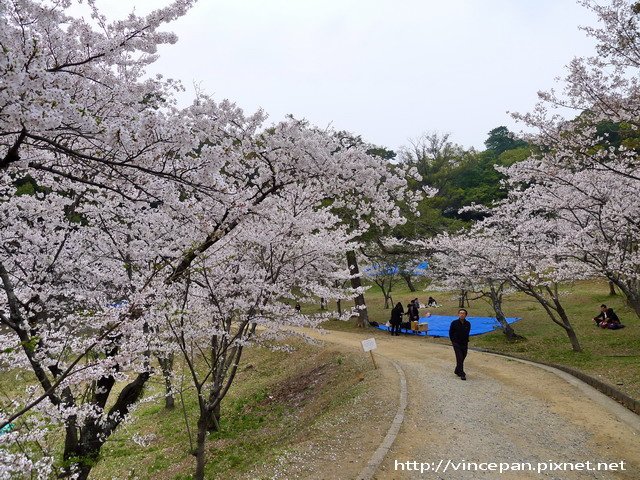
column 278, row 399
column 275, row 402
column 613, row 356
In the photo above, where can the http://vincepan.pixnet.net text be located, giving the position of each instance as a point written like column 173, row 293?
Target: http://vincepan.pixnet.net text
column 448, row 465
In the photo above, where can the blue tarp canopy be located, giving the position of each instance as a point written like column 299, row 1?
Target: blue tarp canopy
column 379, row 270
column 439, row 325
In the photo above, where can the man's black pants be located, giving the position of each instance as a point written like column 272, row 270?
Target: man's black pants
column 461, row 354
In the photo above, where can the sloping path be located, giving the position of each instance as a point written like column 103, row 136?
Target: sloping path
column 507, row 411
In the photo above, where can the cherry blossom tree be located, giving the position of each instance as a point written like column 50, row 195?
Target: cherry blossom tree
column 77, row 120
column 243, row 294
column 384, row 273
column 152, row 247
column 130, row 194
column 458, row 264
column 80, row 282
column 513, row 243
column 71, row 85
column 283, row 248
column 594, row 216
column 585, row 175
column 141, row 216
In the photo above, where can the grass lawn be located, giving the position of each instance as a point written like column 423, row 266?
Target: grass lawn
column 279, row 400
column 276, row 400
column 613, row 356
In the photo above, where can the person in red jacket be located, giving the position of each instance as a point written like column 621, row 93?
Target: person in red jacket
column 459, row 336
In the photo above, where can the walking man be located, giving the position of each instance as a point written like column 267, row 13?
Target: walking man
column 459, row 336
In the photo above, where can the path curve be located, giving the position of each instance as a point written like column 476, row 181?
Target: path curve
column 508, row 411
column 379, row 455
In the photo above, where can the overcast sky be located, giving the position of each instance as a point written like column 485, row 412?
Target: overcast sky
column 388, row 70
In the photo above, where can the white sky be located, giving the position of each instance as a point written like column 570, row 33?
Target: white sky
column 388, row 70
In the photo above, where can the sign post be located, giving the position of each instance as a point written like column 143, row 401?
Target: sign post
column 369, row 345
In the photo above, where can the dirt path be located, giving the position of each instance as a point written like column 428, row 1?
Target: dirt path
column 506, row 411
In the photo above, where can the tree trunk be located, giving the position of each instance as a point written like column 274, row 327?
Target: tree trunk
column 573, row 338
column 213, row 419
column 339, row 306
column 70, row 446
column 631, row 293
column 200, row 450
column 612, row 288
column 409, row 281
column 388, row 300
column 462, row 299
column 83, row 472
column 361, row 306
column 166, row 364
column 563, row 322
column 500, row 317
column 386, row 293
column 634, row 302
column 495, row 294
column 84, row 454
column 90, row 447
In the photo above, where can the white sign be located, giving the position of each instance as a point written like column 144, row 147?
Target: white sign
column 369, row 344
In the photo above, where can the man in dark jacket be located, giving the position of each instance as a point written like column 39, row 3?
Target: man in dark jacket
column 413, row 311
column 459, row 336
column 396, row 319
column 606, row 318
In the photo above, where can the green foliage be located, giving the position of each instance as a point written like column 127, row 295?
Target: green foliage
column 429, row 223
column 617, row 134
column 501, row 139
column 27, row 186
column 609, row 134
column 509, row 157
column 462, row 177
column 382, row 152
column 31, row 344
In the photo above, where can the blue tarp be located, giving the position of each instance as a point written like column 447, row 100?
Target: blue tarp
column 439, row 325
column 378, row 270
column 7, row 428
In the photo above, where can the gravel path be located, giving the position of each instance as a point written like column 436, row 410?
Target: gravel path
column 506, row 411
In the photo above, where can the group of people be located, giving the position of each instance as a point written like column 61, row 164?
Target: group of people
column 412, row 312
column 460, row 328
column 607, row 318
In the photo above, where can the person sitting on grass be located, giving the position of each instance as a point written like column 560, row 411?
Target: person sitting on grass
column 432, row 302
column 607, row 318
column 614, row 324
